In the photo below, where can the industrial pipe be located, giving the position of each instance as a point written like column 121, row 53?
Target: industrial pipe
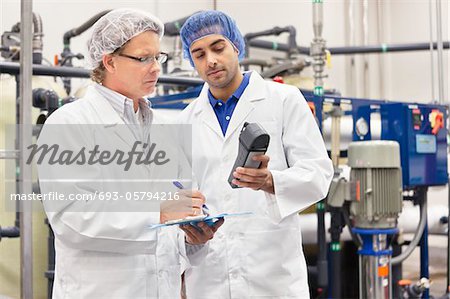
column 440, row 55
column 25, row 136
column 292, row 44
column 76, row 72
column 9, row 232
column 37, row 38
column 67, row 54
column 383, row 48
column 82, row 28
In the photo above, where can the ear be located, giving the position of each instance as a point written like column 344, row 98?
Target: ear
column 109, row 63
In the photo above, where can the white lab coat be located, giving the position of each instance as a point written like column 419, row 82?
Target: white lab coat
column 260, row 255
column 108, row 254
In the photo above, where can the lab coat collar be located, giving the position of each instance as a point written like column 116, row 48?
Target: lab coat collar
column 254, row 92
column 103, row 108
column 109, row 116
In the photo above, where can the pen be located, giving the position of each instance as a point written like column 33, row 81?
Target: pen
column 180, row 186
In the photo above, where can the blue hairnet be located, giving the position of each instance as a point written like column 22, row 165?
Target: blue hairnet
column 210, row 22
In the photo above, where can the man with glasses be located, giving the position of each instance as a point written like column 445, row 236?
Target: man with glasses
column 116, row 254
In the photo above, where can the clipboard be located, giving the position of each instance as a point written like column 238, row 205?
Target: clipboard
column 208, row 219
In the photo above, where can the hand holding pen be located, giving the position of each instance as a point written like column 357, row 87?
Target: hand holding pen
column 202, row 232
column 179, row 185
column 188, row 204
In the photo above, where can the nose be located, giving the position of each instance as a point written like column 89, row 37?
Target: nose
column 155, row 67
column 212, row 60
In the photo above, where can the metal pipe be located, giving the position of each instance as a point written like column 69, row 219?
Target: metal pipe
column 433, row 96
column 291, row 65
column 177, row 57
column 37, row 38
column 366, row 84
column 424, row 260
column 292, row 44
column 317, row 18
column 75, row 72
column 336, row 115
column 317, row 50
column 318, row 54
column 383, row 48
column 380, row 37
column 350, row 40
column 26, row 229
column 440, row 54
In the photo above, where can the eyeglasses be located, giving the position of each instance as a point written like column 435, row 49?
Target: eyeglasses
column 161, row 58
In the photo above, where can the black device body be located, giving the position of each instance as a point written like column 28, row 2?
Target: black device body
column 253, row 141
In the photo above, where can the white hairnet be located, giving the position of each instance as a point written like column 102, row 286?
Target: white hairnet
column 117, row 27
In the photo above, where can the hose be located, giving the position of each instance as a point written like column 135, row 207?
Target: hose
column 415, row 241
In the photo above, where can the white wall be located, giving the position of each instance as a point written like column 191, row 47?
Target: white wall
column 403, row 76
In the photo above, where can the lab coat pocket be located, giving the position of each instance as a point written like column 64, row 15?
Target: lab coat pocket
column 272, row 261
column 116, row 278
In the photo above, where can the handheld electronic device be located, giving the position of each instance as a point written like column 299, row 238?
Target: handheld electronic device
column 253, row 141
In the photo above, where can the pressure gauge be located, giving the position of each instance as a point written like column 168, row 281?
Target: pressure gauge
column 362, row 128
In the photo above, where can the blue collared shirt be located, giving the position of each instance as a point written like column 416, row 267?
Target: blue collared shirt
column 224, row 110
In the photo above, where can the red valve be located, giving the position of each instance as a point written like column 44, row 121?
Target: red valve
column 437, row 121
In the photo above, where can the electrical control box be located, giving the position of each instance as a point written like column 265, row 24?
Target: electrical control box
column 421, row 131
